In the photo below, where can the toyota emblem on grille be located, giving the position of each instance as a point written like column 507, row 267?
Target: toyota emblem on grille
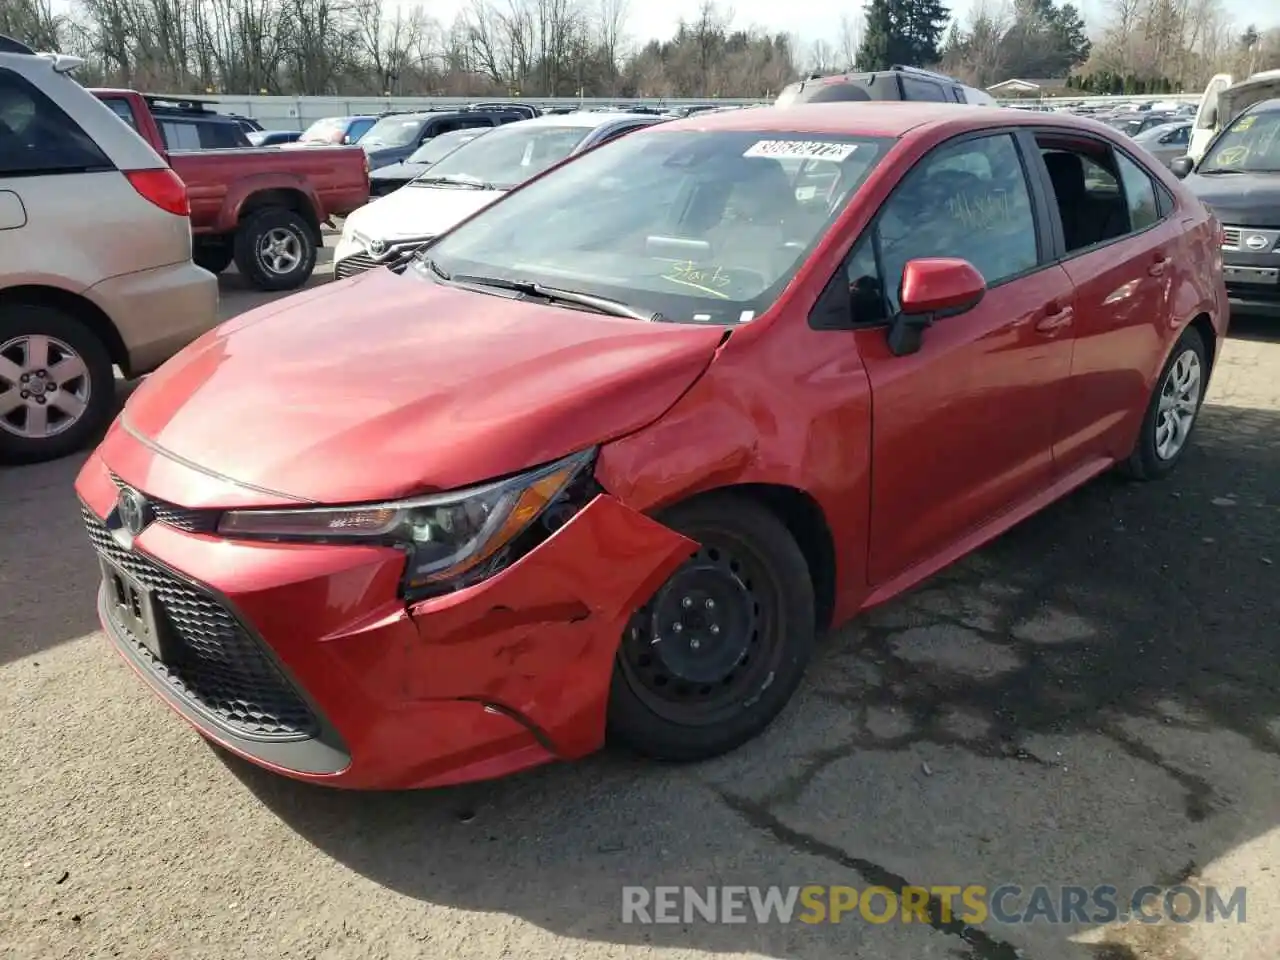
column 1256, row 242
column 378, row 247
column 133, row 510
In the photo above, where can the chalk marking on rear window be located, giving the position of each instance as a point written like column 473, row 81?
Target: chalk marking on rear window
column 801, row 150
column 746, row 316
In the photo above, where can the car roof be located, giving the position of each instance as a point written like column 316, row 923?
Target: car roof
column 879, row 118
column 1161, row 128
column 409, row 115
column 580, row 118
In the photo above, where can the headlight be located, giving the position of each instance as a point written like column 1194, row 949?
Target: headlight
column 447, row 536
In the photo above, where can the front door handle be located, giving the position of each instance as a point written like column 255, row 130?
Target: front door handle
column 1055, row 320
column 1157, row 268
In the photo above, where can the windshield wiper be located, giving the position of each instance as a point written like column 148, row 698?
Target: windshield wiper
column 1217, row 170
column 456, row 182
column 613, row 308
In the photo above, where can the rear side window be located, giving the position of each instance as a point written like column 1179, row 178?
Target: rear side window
column 179, row 135
column 36, row 137
column 121, row 109
column 916, row 89
column 221, row 136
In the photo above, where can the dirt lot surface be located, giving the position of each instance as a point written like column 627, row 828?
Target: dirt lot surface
column 1091, row 700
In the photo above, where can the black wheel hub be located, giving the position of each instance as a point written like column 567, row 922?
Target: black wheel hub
column 693, row 641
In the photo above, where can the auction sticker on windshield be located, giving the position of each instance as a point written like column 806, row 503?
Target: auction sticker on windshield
column 801, row 150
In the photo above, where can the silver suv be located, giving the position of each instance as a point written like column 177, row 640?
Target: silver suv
column 95, row 258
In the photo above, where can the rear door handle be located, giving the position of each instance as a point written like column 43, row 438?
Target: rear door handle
column 1056, row 319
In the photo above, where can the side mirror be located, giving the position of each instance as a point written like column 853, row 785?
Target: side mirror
column 1181, row 167
column 931, row 289
column 1211, row 116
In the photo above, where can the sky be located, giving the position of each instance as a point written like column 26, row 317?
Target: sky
column 811, row 20
column 820, row 18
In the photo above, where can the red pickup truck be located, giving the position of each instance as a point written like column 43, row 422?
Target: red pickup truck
column 261, row 208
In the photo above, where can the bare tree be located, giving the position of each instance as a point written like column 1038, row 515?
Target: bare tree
column 327, row 47
column 849, row 39
column 821, row 58
column 613, row 23
column 34, row 21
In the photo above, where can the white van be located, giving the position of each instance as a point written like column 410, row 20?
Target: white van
column 1223, row 98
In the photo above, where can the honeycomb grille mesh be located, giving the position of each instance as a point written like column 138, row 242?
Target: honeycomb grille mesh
column 217, row 666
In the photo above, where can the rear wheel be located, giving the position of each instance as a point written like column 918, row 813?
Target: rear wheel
column 275, row 249
column 718, row 651
column 57, row 388
column 1172, row 411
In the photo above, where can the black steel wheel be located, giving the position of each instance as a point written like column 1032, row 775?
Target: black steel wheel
column 717, row 652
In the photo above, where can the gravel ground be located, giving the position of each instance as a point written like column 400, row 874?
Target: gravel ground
column 1091, row 700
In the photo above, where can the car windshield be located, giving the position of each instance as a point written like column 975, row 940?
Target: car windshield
column 1250, row 145
column 437, row 148
column 510, row 155
column 392, row 132
column 698, row 226
column 324, row 131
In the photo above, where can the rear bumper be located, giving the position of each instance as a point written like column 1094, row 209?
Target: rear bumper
column 158, row 312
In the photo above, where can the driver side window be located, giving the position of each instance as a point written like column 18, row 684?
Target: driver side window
column 968, row 200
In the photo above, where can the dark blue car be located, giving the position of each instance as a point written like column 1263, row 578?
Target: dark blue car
column 396, row 136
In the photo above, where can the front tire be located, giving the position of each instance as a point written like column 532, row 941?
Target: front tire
column 275, row 249
column 1173, row 410
column 57, row 387
column 715, row 655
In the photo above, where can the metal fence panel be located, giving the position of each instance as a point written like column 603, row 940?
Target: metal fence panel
column 296, row 113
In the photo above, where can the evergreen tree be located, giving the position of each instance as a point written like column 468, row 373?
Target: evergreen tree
column 902, row 31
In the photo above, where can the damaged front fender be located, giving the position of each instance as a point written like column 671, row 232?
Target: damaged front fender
column 538, row 640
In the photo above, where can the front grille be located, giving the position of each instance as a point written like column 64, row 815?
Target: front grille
column 360, row 262
column 1231, row 238
column 184, row 518
column 218, row 667
column 356, row 263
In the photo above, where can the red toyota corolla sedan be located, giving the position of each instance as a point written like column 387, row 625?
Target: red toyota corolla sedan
column 605, row 457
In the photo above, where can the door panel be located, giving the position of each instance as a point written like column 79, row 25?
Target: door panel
column 961, row 430
column 1122, row 305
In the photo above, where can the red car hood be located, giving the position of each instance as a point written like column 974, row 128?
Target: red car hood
column 385, row 386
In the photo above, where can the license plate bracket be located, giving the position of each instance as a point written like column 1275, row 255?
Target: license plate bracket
column 133, row 607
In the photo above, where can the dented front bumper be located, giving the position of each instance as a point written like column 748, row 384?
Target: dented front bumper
column 500, row 677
